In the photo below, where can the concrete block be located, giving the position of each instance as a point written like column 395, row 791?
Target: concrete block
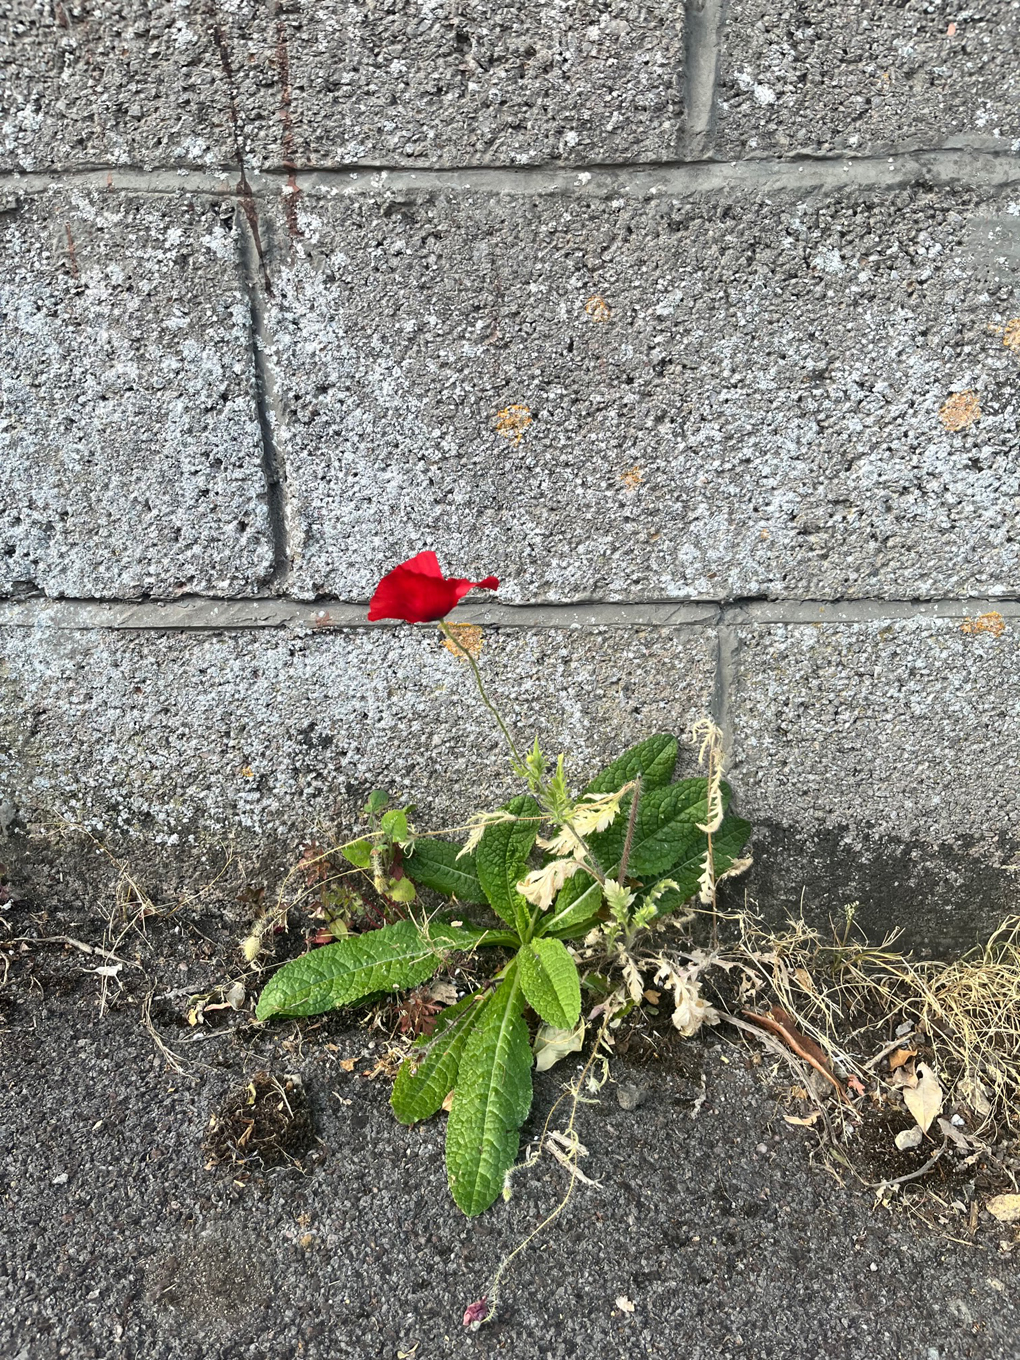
column 132, row 450
column 819, row 78
column 602, row 396
column 150, row 82
column 878, row 762
column 482, row 83
column 113, row 82
column 171, row 746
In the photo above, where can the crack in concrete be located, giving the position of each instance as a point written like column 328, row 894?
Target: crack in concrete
column 266, row 407
column 203, row 614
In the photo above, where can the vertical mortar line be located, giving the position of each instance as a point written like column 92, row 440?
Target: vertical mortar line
column 267, row 407
column 703, row 29
column 726, row 672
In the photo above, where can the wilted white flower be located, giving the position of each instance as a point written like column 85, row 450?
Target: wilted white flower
column 542, row 885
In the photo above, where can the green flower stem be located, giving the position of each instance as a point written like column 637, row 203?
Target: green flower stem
column 521, row 768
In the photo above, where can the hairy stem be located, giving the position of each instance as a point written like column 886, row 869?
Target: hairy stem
column 520, row 767
column 631, row 822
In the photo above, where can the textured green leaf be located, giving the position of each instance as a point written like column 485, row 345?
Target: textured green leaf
column 577, row 902
column 550, row 982
column 502, row 861
column 358, row 853
column 426, row 1078
column 338, row 974
column 491, row 1100
column 435, row 865
column 727, row 844
column 654, row 759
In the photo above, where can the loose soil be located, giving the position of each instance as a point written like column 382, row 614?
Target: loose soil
column 204, row 1192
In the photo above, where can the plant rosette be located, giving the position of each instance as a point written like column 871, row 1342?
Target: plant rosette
column 551, row 867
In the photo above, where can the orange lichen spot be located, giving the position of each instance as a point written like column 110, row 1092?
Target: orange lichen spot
column 1011, row 335
column 512, row 421
column 598, row 309
column 247, row 772
column 469, row 635
column 960, row 411
column 632, row 478
column 951, row 31
column 992, row 623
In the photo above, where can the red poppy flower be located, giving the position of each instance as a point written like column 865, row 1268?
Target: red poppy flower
column 418, row 592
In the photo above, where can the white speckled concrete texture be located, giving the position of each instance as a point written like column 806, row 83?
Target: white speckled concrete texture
column 148, row 82
column 698, row 325
column 821, row 78
column 652, row 396
column 132, row 459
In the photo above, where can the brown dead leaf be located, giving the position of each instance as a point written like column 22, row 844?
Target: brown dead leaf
column 924, row 1101
column 781, row 1023
column 448, row 1103
column 954, row 1135
column 348, row 1064
column 807, row 1121
column 1006, row 1208
column 904, row 1077
column 900, row 1056
column 652, row 997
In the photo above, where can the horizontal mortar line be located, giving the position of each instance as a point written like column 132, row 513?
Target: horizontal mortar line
column 200, row 614
column 957, row 167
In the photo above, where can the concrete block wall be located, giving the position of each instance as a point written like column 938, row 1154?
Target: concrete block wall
column 699, row 326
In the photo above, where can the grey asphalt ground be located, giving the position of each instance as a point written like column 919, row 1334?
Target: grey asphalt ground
column 712, row 1221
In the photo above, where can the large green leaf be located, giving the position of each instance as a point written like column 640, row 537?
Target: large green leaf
column 727, row 844
column 653, row 759
column 491, row 1100
column 395, row 956
column 577, row 902
column 502, row 860
column 550, row 982
column 427, row 1077
column 435, row 864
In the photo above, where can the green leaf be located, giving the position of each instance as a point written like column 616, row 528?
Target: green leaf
column 426, row 1079
column 394, row 824
column 727, row 844
column 377, row 800
column 337, row 974
column 550, row 982
column 400, row 889
column 434, row 864
column 577, row 902
column 358, row 853
column 666, row 826
column 654, row 759
column 491, row 1100
column 502, row 860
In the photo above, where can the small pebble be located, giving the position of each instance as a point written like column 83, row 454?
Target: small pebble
column 630, row 1096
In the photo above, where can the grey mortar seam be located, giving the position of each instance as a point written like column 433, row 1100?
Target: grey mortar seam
column 703, row 27
column 955, row 167
column 202, row 614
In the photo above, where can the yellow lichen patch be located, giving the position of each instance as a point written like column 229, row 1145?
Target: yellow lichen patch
column 1011, row 335
column 512, row 421
column 992, row 623
column 598, row 309
column 469, row 635
column 960, row 411
column 632, row 478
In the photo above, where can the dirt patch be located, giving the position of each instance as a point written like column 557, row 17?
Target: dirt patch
column 265, row 1121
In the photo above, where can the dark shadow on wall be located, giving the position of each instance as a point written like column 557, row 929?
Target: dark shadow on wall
column 946, row 898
